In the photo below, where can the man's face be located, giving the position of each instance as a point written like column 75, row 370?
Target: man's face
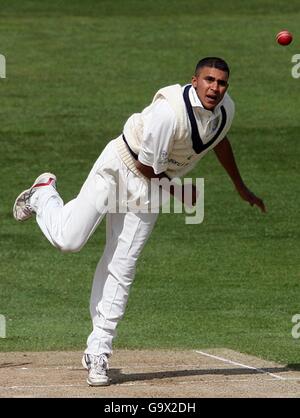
column 210, row 85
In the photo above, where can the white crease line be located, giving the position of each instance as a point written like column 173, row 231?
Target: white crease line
column 39, row 387
column 241, row 365
column 138, row 384
column 130, row 384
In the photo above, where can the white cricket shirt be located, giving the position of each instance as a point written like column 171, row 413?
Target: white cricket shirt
column 159, row 126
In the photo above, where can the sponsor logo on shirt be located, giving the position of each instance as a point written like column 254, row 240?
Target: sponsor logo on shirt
column 163, row 158
column 171, row 160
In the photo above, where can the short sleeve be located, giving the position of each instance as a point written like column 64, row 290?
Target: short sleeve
column 230, row 111
column 158, row 135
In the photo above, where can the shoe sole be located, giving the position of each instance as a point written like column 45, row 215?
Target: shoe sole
column 20, row 197
column 104, row 383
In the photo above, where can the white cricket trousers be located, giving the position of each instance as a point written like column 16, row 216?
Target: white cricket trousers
column 69, row 226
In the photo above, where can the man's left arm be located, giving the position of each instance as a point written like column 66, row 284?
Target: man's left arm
column 226, row 157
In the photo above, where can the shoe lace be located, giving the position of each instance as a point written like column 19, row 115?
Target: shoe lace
column 100, row 364
column 27, row 209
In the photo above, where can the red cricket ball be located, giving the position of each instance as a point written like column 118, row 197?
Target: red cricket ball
column 284, row 37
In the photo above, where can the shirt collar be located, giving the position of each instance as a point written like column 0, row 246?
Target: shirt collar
column 196, row 102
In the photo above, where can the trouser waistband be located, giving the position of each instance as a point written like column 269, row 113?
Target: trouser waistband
column 135, row 156
column 127, row 155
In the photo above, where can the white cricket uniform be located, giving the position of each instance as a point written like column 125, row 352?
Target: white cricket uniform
column 158, row 138
column 68, row 226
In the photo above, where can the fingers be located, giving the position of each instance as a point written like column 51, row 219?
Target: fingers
column 258, row 202
column 262, row 207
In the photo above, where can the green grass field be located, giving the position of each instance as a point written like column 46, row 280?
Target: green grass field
column 75, row 71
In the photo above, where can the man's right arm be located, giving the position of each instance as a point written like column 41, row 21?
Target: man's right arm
column 149, row 173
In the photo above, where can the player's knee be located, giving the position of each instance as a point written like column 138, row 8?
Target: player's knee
column 71, row 247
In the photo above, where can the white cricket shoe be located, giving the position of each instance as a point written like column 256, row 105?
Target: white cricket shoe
column 97, row 367
column 22, row 209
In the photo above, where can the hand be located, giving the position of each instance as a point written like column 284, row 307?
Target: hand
column 250, row 197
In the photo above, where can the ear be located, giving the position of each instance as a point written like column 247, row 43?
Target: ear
column 194, row 81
